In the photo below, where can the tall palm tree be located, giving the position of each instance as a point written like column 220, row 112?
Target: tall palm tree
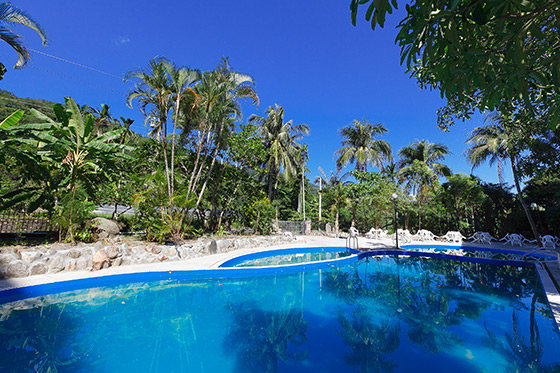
column 494, row 142
column 9, row 14
column 154, row 95
column 281, row 143
column 360, row 146
column 420, row 168
column 335, row 191
column 181, row 82
column 220, row 94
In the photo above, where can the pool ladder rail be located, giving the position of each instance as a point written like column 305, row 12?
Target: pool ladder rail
column 352, row 238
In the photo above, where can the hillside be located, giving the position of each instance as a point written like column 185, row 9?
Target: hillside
column 10, row 103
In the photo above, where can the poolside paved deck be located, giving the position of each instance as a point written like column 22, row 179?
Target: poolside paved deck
column 549, row 272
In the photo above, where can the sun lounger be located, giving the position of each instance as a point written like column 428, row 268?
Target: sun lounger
column 453, row 236
column 515, row 239
column 425, row 235
column 548, row 240
column 482, row 237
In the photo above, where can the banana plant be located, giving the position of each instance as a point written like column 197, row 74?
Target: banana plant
column 71, row 150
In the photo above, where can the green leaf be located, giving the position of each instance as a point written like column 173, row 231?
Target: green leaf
column 75, row 119
column 11, row 120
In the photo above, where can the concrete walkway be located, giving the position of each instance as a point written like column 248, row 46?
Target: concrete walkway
column 549, row 272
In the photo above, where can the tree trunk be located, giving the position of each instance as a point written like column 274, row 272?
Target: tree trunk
column 523, row 204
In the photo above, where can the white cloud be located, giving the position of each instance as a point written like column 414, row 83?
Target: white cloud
column 121, row 40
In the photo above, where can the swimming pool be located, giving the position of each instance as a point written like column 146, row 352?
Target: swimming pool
column 354, row 314
column 289, row 256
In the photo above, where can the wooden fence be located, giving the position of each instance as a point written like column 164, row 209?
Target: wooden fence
column 15, row 222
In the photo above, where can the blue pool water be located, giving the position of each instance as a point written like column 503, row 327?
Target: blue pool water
column 385, row 313
column 289, row 256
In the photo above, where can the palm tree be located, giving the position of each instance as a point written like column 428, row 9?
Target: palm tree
column 360, row 146
column 495, row 142
column 334, row 188
column 420, row 167
column 281, row 143
column 9, row 14
column 181, row 81
column 154, row 96
column 220, row 94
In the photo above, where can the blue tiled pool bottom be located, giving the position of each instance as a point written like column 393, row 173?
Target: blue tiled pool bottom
column 379, row 313
column 289, row 257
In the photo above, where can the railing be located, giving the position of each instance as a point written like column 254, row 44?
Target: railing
column 16, row 222
column 296, row 227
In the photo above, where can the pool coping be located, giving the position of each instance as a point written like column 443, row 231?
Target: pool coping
column 549, row 272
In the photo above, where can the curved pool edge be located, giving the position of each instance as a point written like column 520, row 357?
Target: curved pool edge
column 232, row 262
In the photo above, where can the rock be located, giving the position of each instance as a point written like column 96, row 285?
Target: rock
column 56, row 264
column 169, row 251
column 117, row 262
column 17, row 269
column 156, row 250
column 38, row 269
column 82, row 264
column 70, row 265
column 105, row 228
column 213, row 247
column 112, row 252
column 100, row 260
column 74, row 253
column 5, row 259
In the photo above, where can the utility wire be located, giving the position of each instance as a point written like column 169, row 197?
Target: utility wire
column 78, row 80
column 77, row 64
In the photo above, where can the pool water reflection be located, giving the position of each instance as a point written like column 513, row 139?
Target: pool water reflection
column 388, row 313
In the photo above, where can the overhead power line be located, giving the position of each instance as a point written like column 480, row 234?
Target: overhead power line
column 79, row 80
column 76, row 63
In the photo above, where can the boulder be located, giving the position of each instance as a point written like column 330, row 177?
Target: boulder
column 105, row 228
column 169, row 251
column 38, row 269
column 82, row 264
column 30, row 256
column 100, row 260
column 112, row 252
column 17, row 268
column 56, row 264
column 213, row 247
column 74, row 253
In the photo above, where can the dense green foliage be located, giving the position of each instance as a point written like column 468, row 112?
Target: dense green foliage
column 481, row 55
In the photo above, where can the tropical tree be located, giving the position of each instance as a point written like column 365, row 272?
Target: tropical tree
column 220, row 92
column 281, row 144
column 500, row 140
column 360, row 146
column 420, row 167
column 11, row 15
column 154, row 96
column 485, row 55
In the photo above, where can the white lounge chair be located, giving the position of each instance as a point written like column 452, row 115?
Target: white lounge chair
column 515, row 239
column 404, row 235
column 425, row 235
column 376, row 234
column 453, row 236
column 548, row 240
column 482, row 237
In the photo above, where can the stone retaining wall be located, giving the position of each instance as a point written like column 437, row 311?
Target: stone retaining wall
column 29, row 261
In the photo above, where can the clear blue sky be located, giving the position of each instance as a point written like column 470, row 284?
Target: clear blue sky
column 303, row 55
